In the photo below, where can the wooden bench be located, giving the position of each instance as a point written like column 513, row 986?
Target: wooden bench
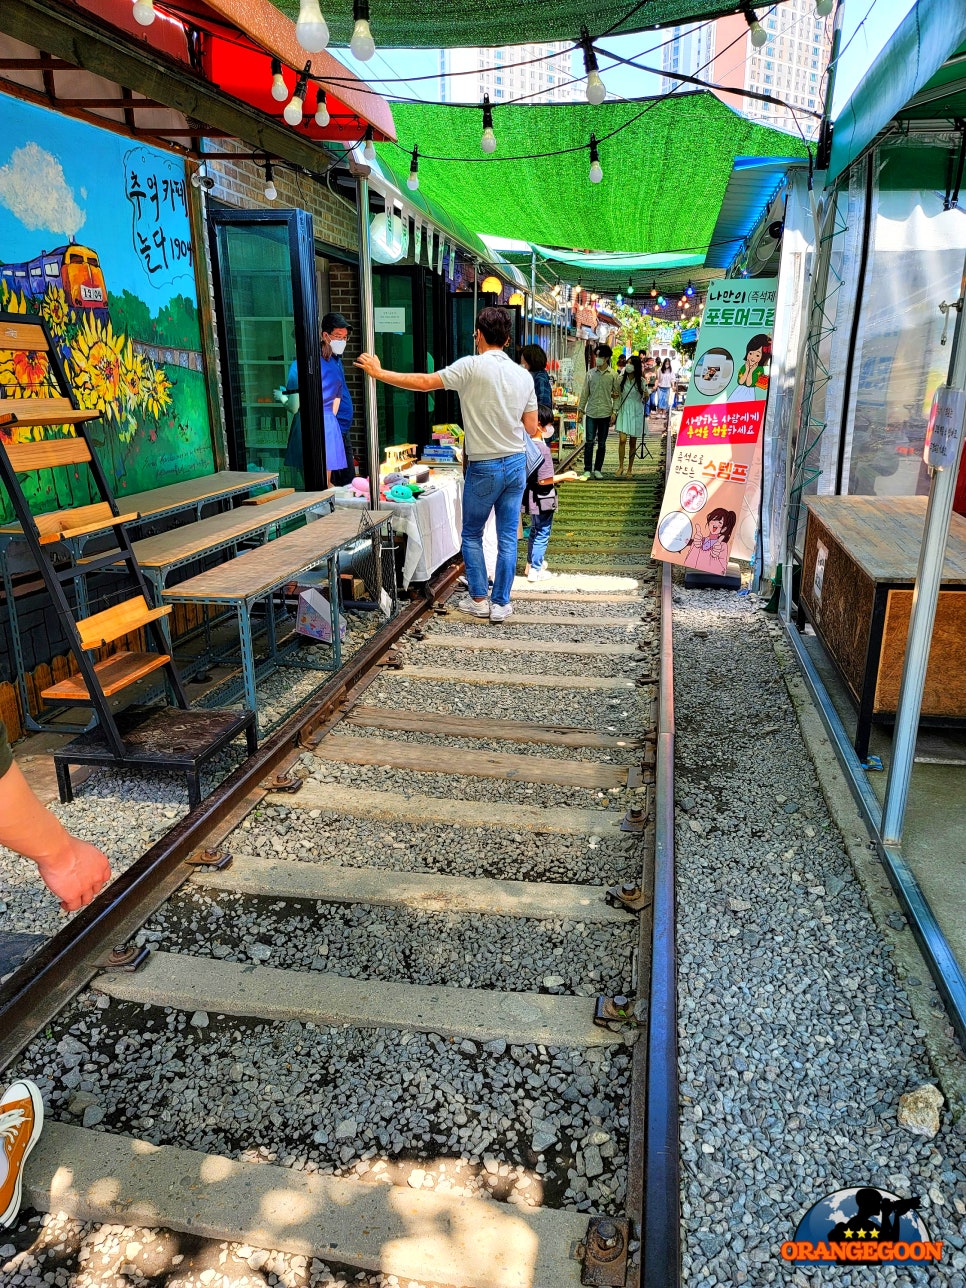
column 242, row 582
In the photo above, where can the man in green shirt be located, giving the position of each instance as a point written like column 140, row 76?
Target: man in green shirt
column 597, row 404
column 72, row 869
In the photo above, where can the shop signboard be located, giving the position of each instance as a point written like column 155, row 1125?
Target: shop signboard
column 95, row 239
column 713, row 491
column 945, row 429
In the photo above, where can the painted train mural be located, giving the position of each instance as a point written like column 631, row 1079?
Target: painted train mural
column 73, row 269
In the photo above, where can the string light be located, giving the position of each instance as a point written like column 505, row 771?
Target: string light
column 620, row 299
column 279, row 88
column 271, row 192
column 596, row 173
column 144, row 12
column 488, row 141
column 630, row 286
column 369, row 151
column 412, row 183
column 689, row 289
column 311, row 30
column 654, row 289
column 293, row 108
column 322, row 117
column 596, row 93
column 759, row 36
column 362, row 44
column 824, row 7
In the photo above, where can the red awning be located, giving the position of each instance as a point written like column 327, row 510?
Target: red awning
column 239, row 40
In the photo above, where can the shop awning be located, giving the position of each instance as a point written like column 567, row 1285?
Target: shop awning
column 436, row 24
column 751, row 189
column 201, row 70
column 911, row 64
column 666, row 163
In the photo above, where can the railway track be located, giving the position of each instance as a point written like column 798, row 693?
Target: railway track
column 385, row 1035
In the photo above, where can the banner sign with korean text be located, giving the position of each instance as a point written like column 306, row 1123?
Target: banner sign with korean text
column 713, row 493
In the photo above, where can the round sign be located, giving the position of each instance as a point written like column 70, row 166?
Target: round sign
column 675, row 531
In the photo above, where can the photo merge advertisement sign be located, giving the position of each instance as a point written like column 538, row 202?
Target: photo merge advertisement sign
column 713, row 491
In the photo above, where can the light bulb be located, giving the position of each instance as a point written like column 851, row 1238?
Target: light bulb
column 824, row 7
column 759, row 36
column 311, row 30
column 293, row 110
column 279, row 88
column 322, row 117
column 369, row 152
column 144, row 12
column 412, row 183
column 362, row 44
column 488, row 141
column 596, row 173
column 596, row 91
column 271, row 192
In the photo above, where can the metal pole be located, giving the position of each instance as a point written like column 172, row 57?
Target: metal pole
column 368, row 330
column 533, row 297
column 925, row 596
column 824, row 148
column 476, row 279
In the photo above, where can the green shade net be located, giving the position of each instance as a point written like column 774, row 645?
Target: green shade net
column 665, row 174
column 438, row 24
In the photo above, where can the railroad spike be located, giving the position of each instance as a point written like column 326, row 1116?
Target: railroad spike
column 290, row 783
column 633, row 820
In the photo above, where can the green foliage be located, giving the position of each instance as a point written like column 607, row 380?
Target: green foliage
column 175, row 324
column 635, row 330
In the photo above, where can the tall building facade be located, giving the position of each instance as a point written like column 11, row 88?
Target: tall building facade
column 790, row 66
column 537, row 73
column 689, row 53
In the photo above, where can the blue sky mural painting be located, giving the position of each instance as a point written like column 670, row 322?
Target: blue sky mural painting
column 95, row 238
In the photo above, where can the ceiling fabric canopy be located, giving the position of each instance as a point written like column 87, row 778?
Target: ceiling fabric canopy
column 435, row 24
column 665, row 172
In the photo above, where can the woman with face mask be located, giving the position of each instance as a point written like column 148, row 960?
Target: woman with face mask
column 334, row 336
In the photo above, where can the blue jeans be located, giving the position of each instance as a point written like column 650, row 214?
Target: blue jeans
column 492, row 485
column 539, row 539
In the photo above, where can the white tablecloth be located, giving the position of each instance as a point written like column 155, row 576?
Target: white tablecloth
column 432, row 524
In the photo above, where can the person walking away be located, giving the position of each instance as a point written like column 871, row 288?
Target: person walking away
column 534, row 360
column 596, row 405
column 499, row 405
column 74, row 871
column 334, row 335
column 630, row 413
column 665, row 382
column 541, row 500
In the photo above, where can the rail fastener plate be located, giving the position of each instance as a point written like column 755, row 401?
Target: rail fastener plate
column 213, row 860
column 605, row 1252
column 290, row 783
column 126, row 957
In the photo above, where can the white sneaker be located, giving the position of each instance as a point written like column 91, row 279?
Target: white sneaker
column 598, row 474
column 475, row 608
column 585, row 476
column 539, row 574
column 500, row 612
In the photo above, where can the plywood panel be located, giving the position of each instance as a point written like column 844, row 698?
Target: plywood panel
column 945, row 691
column 842, row 609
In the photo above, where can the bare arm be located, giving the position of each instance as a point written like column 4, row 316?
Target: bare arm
column 418, row 382
column 531, row 424
column 71, row 868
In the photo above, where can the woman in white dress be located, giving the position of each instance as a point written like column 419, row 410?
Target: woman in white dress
column 631, row 410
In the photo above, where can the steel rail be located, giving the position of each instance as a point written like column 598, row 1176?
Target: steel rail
column 661, row 1224
column 39, row 988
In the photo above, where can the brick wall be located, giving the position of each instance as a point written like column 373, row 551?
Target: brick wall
column 344, row 298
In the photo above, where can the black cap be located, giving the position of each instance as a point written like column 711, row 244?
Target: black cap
column 332, row 321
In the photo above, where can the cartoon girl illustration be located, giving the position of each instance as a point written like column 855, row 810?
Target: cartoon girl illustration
column 753, row 373
column 708, row 551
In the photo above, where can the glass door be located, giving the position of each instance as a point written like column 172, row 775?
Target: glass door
column 265, row 289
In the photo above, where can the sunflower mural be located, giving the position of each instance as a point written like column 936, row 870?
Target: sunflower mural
column 109, row 267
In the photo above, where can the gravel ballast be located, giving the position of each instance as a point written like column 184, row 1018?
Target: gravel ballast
column 326, row 836
column 796, row 1036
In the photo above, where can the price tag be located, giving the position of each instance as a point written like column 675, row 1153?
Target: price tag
column 945, row 430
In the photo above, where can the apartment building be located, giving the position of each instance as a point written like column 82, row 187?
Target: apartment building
column 537, row 73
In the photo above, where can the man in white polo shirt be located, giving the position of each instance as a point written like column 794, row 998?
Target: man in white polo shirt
column 499, row 405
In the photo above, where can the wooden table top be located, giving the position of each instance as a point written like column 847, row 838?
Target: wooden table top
column 883, row 535
column 180, row 496
column 183, row 544
column 252, row 575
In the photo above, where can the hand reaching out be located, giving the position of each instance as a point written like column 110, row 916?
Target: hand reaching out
column 76, row 874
